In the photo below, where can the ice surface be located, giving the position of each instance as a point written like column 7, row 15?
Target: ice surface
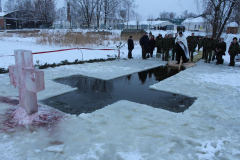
column 209, row 129
column 56, row 148
column 29, row 81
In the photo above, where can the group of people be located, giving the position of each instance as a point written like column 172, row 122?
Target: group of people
column 215, row 48
column 180, row 46
column 167, row 47
column 163, row 45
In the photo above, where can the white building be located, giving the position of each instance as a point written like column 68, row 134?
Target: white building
column 112, row 23
column 195, row 24
column 147, row 25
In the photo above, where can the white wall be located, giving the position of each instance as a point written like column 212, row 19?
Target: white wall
column 190, row 26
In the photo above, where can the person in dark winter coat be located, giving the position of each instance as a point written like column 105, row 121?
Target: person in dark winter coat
column 224, row 46
column 200, row 43
column 219, row 52
column 130, row 47
column 214, row 54
column 204, row 47
column 209, row 48
column 233, row 51
column 141, row 43
column 152, row 44
column 145, row 45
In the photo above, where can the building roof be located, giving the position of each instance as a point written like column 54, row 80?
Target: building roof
column 144, row 22
column 194, row 20
column 232, row 24
column 133, row 31
column 2, row 14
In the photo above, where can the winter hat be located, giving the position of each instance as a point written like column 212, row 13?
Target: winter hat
column 235, row 38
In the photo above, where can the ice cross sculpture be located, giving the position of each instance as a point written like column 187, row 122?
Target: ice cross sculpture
column 28, row 80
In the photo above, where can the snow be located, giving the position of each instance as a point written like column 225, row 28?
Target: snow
column 209, row 129
column 232, row 24
column 2, row 14
column 194, row 20
column 56, row 148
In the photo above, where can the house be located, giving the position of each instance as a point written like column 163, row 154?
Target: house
column 148, row 25
column 2, row 23
column 232, row 28
column 111, row 23
column 195, row 24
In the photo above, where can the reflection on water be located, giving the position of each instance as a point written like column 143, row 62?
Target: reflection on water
column 160, row 73
column 87, row 83
column 93, row 94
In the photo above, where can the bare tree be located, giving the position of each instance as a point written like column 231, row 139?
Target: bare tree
column 109, row 7
column 164, row 15
column 11, row 5
column 99, row 8
column 61, row 14
column 123, row 14
column 167, row 15
column 86, row 8
column 46, row 11
column 172, row 15
column 235, row 15
column 217, row 13
column 186, row 15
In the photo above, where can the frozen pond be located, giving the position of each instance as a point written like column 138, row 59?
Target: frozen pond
column 93, row 94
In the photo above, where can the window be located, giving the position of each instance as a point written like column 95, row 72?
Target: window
column 198, row 26
column 195, row 26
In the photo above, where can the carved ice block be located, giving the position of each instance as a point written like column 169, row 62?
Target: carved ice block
column 13, row 74
column 35, row 80
column 27, row 79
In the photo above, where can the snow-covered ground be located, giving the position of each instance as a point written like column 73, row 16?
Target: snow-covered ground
column 9, row 44
column 126, row 130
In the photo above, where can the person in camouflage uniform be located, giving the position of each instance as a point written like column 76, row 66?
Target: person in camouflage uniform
column 208, row 45
column 233, row 51
column 204, row 47
column 159, row 43
column 191, row 45
column 166, row 47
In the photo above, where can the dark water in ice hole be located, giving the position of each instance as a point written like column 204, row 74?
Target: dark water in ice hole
column 94, row 94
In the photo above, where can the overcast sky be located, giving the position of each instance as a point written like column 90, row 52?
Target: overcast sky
column 154, row 7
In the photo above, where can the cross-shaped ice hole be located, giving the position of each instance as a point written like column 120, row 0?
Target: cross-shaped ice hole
column 94, row 94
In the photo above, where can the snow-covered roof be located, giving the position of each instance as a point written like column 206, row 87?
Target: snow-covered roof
column 194, row 20
column 145, row 22
column 5, row 13
column 232, row 24
column 2, row 14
